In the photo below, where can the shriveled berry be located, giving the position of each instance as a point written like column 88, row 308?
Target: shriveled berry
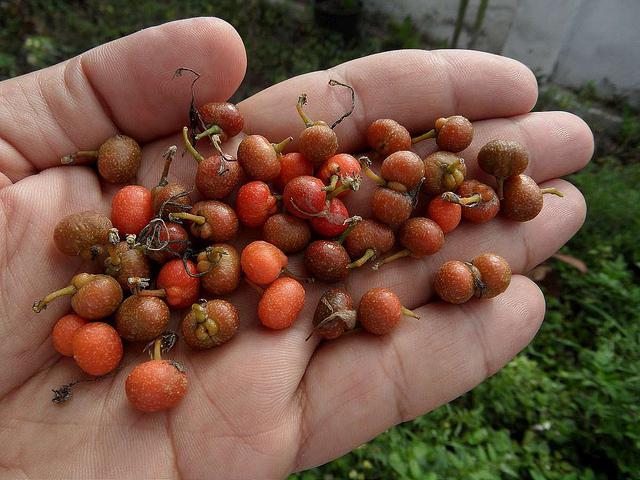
column 387, row 136
column 141, row 319
column 262, row 262
column 82, row 234
column 502, row 159
column 292, row 165
column 495, row 274
column 156, row 385
column 281, row 303
column 331, row 222
column 403, row 167
column 327, row 261
column 97, row 348
column 222, row 264
column 126, row 261
column 181, row 289
column 63, row 332
column 334, row 314
column 454, row 134
column 446, row 214
column 380, row 311
column 210, row 324
column 443, row 171
column 455, row 282
column 304, row 196
column 217, row 177
column 290, row 234
column 119, row 159
column 390, row 207
column 131, row 209
column 255, row 203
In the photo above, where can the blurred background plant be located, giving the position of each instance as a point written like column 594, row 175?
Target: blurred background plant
column 567, row 407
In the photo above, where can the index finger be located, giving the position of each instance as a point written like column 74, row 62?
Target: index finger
column 414, row 87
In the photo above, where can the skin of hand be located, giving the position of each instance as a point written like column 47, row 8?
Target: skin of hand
column 268, row 403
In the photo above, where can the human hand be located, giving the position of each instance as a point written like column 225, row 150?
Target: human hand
column 267, row 403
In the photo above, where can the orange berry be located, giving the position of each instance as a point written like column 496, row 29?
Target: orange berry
column 63, row 332
column 281, row 303
column 445, row 214
column 97, row 348
column 156, row 385
column 181, row 289
column 131, row 209
column 262, row 262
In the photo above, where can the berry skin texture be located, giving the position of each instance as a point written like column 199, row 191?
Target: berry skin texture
column 454, row 133
column 290, row 234
column 131, row 209
column 119, row 159
column 522, row 198
column 255, row 203
column 331, row 222
column 63, row 332
column 161, row 194
column 98, row 296
column 387, row 136
column 292, row 165
column 343, row 165
column 495, row 274
column 262, row 262
column 379, row 311
column 334, row 314
column 80, row 233
column 258, row 158
column 445, row 214
column 216, row 177
column 97, row 348
column 210, row 325
column 156, row 385
column 369, row 234
column 454, row 282
column 327, row 261
column 223, row 114
column 503, row 158
column 304, row 196
column 403, row 167
column 221, row 222
column 318, row 143
column 443, row 171
column 484, row 210
column 132, row 262
column 390, row 207
column 177, row 236
column 222, row 263
column 421, row 236
column 281, row 303
column 181, row 290
column 141, row 319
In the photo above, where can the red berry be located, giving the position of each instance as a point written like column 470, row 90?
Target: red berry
column 255, row 203
column 281, row 303
column 292, row 165
column 403, row 167
column 290, row 234
column 486, row 205
column 63, row 332
column 390, row 207
column 211, row 220
column 421, row 236
column 344, row 166
column 495, row 274
column 181, row 289
column 454, row 133
column 445, row 214
column 380, row 311
column 369, row 234
column 259, row 158
column 216, row 177
column 262, row 262
column 176, row 239
column 387, row 136
column 304, row 196
column 131, row 209
column 97, row 348
column 223, row 114
column 455, row 281
column 327, row 261
column 318, row 143
column 156, row 385
column 331, row 222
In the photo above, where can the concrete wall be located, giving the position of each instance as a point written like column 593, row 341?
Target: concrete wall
column 569, row 42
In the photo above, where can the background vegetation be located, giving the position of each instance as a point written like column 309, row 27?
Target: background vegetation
column 567, row 407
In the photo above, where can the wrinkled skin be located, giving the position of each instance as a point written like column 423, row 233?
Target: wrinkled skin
column 268, row 403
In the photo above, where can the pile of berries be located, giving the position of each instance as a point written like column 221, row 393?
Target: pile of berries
column 160, row 251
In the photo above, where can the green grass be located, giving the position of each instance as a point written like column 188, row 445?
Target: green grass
column 567, row 407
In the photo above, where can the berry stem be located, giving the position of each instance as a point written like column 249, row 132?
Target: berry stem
column 552, row 190
column 401, row 254
column 197, row 219
column 302, row 100
column 212, row 130
column 430, row 134
column 500, row 189
column 81, row 157
column 169, row 155
column 190, row 148
column 40, row 305
column 332, row 184
column 352, row 222
column 279, row 147
column 333, row 83
column 363, row 259
column 365, row 163
column 464, row 201
column 409, row 313
column 157, row 349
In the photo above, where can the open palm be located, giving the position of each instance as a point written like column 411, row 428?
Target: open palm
column 267, row 403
